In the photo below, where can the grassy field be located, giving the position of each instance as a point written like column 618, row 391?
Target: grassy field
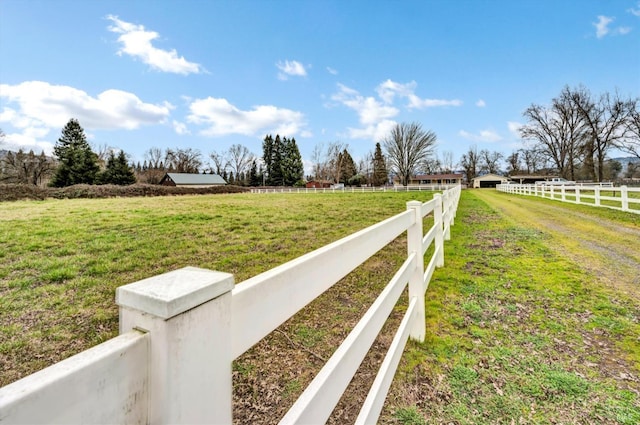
column 61, row 260
column 527, row 323
column 533, row 319
column 587, row 196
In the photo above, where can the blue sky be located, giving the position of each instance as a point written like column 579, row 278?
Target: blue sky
column 209, row 74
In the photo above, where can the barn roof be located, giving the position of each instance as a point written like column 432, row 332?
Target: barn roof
column 195, row 179
column 491, row 177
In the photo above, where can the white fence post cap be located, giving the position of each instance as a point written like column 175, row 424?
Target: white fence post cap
column 175, row 292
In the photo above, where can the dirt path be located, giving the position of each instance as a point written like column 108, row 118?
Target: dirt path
column 609, row 250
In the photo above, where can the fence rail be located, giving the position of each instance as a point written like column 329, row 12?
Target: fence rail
column 620, row 198
column 354, row 189
column 181, row 331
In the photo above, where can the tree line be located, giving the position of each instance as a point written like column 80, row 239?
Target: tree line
column 74, row 163
column 578, row 130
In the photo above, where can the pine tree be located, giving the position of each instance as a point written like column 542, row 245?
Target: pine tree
column 292, row 167
column 254, row 179
column 267, row 152
column 274, row 174
column 348, row 167
column 380, row 173
column 78, row 163
column 117, row 171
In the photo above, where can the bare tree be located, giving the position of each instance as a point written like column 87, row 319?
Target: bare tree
column 408, row 146
column 470, row 162
column 447, row 162
column 239, row 158
column 154, row 158
column 558, row 131
column 335, row 160
column 318, row 158
column 103, row 151
column 26, row 168
column 513, row 163
column 183, row 160
column 533, row 159
column 631, row 143
column 490, row 161
column 154, row 168
column 430, row 166
column 220, row 161
column 606, row 121
column 365, row 167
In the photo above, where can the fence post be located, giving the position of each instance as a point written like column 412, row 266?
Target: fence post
column 439, row 237
column 416, row 281
column 624, row 198
column 596, row 195
column 446, row 215
column 577, row 195
column 187, row 313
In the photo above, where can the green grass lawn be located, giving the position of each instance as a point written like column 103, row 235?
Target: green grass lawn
column 517, row 330
column 61, row 260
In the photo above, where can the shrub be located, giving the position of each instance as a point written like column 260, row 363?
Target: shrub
column 14, row 192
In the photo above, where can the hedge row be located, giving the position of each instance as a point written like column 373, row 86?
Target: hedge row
column 14, row 192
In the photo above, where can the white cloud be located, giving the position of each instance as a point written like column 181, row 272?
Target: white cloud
column 369, row 110
column 290, row 68
column 375, row 132
column 416, row 102
column 388, row 90
column 41, row 104
column 489, row 136
column 180, row 128
column 36, row 107
column 222, row 118
column 136, row 42
column 603, row 27
column 514, row 128
column 635, row 12
column 332, row 71
column 29, row 140
column 375, row 115
column 481, row 103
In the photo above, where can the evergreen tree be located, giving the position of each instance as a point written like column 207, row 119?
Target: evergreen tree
column 77, row 162
column 380, row 173
column 254, row 179
column 267, row 153
column 348, row 167
column 292, row 167
column 261, row 176
column 117, row 171
column 274, row 174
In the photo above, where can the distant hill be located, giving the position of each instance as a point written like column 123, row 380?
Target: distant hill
column 625, row 161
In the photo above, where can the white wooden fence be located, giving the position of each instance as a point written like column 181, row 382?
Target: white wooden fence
column 180, row 332
column 354, row 189
column 620, row 198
